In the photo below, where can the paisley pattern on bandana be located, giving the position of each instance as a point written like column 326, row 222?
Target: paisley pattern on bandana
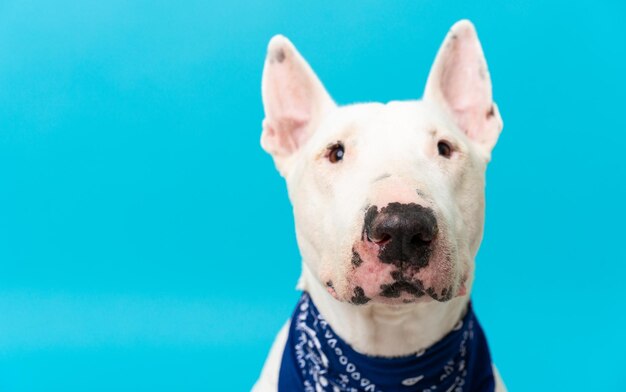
column 315, row 359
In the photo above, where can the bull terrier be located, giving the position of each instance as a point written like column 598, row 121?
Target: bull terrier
column 388, row 202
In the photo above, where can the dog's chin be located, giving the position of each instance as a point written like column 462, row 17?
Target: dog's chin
column 402, row 300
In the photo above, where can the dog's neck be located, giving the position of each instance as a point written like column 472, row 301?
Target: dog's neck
column 385, row 330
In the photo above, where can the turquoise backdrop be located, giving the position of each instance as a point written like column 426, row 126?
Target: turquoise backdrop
column 146, row 242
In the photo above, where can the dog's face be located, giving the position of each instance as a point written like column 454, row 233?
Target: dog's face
column 388, row 198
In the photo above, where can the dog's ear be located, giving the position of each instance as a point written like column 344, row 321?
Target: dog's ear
column 459, row 81
column 294, row 101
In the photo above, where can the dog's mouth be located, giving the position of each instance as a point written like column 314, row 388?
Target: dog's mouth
column 397, row 288
column 405, row 288
column 402, row 283
column 397, row 282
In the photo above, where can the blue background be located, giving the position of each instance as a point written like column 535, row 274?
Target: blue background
column 146, row 242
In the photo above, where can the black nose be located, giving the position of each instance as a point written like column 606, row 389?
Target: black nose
column 405, row 232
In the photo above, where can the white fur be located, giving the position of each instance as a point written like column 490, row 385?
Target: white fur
column 390, row 156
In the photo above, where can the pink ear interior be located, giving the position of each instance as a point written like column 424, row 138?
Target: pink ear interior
column 460, row 80
column 293, row 97
column 466, row 85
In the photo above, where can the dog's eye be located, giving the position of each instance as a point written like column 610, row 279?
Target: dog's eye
column 445, row 150
column 335, row 152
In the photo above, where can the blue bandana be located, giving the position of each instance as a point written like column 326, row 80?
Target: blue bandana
column 316, row 359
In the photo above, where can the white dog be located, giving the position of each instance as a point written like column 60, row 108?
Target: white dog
column 389, row 208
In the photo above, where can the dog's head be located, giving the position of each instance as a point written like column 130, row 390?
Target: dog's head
column 388, row 198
